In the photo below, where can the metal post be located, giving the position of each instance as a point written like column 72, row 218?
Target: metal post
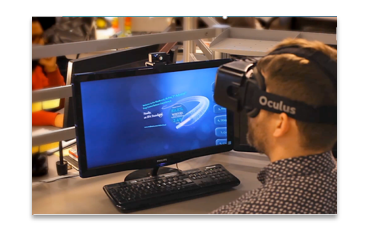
column 51, row 93
column 205, row 49
column 121, row 25
column 53, row 136
column 219, row 29
column 189, row 23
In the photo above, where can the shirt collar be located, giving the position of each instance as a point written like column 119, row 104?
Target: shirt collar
column 298, row 166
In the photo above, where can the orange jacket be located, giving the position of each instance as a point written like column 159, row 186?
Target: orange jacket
column 42, row 80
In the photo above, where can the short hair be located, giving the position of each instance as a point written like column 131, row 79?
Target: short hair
column 299, row 79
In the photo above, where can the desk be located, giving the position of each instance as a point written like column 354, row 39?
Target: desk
column 86, row 196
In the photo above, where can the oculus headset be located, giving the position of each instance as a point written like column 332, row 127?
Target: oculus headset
column 241, row 86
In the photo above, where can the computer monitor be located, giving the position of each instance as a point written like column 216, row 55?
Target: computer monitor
column 131, row 58
column 148, row 117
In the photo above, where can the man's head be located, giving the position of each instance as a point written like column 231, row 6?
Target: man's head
column 298, row 79
column 37, row 32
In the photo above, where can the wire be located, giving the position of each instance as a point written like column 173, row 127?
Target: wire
column 60, row 151
column 56, row 178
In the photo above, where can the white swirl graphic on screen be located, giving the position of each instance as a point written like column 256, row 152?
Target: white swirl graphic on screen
column 195, row 114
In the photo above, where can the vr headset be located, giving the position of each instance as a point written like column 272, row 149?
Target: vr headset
column 241, row 86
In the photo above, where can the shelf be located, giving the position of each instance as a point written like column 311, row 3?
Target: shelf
column 253, row 42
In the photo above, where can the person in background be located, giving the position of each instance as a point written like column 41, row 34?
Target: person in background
column 45, row 74
column 302, row 175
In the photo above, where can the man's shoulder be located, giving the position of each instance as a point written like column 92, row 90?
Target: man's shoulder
column 268, row 202
column 293, row 195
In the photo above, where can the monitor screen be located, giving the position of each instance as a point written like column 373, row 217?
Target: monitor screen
column 139, row 117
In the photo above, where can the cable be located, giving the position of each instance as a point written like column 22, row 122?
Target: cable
column 56, row 178
column 61, row 154
column 61, row 165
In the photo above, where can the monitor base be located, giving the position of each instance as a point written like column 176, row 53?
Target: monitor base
column 149, row 172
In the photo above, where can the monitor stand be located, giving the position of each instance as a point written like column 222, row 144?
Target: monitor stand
column 149, row 172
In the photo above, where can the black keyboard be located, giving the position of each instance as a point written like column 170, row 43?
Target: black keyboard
column 171, row 187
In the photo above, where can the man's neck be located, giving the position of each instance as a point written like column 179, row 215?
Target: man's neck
column 279, row 153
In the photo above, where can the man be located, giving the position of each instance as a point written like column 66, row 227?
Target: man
column 302, row 176
column 45, row 73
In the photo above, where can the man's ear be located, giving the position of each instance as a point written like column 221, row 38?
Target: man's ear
column 282, row 125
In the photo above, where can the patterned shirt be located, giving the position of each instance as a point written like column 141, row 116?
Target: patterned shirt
column 302, row 185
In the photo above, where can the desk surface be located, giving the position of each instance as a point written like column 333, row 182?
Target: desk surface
column 86, row 196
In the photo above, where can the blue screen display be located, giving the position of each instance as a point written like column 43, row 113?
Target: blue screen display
column 139, row 117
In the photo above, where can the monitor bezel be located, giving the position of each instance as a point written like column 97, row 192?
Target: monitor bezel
column 152, row 162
